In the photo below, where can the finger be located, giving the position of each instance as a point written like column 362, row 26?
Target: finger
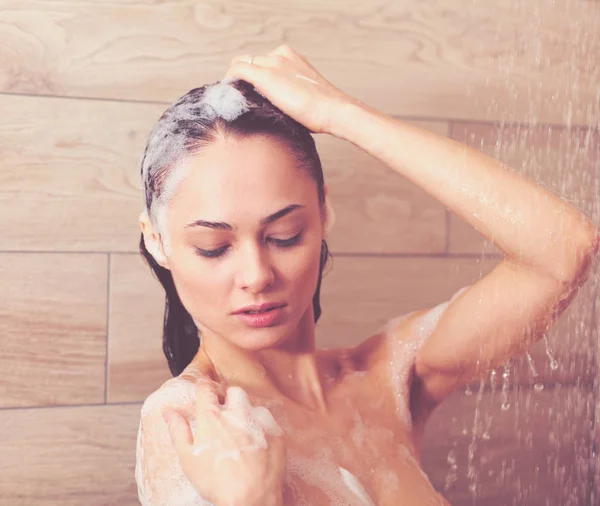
column 284, row 50
column 269, row 61
column 179, row 431
column 252, row 73
column 237, row 400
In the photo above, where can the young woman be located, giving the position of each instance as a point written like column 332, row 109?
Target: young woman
column 234, row 228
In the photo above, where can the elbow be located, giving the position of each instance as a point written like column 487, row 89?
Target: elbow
column 583, row 258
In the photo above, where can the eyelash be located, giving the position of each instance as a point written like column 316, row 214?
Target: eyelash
column 216, row 253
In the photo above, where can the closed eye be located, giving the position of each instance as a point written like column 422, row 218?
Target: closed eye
column 280, row 243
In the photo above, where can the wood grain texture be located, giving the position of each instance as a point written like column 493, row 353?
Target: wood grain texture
column 137, row 365
column 70, row 198
column 78, row 160
column 53, row 327
column 538, row 451
column 69, row 456
column 513, row 61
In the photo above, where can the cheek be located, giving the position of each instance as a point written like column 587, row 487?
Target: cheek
column 198, row 285
column 303, row 273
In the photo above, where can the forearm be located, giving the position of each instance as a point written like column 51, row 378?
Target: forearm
column 528, row 223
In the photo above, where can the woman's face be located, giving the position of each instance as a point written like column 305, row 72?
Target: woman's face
column 220, row 269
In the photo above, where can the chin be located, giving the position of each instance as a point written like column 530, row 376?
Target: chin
column 262, row 339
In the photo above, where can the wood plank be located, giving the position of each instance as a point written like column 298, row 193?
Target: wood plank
column 53, row 327
column 137, row 365
column 565, row 161
column 77, row 160
column 69, row 456
column 359, row 294
column 378, row 210
column 512, row 61
column 83, row 171
column 537, row 452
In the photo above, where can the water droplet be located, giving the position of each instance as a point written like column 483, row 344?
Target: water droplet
column 486, row 436
column 531, row 365
column 550, row 354
column 538, row 387
column 505, row 406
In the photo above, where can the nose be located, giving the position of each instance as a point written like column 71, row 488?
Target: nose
column 255, row 272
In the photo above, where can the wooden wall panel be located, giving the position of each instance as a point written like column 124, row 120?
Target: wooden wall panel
column 78, row 160
column 69, row 456
column 100, row 73
column 53, row 328
column 512, row 61
column 137, row 365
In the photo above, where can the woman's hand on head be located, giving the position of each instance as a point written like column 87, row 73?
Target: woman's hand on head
column 237, row 454
column 291, row 83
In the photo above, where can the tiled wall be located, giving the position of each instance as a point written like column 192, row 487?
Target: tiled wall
column 81, row 83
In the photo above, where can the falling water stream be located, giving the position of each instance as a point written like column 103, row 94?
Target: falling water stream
column 542, row 57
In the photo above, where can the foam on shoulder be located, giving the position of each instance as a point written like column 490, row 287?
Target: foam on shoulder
column 404, row 352
column 158, row 474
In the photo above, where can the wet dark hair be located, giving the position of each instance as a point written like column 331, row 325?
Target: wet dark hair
column 184, row 128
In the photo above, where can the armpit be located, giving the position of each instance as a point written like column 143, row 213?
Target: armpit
column 406, row 336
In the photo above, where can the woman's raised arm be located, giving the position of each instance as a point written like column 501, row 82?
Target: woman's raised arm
column 549, row 247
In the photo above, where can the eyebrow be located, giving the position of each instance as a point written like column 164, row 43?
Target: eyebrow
column 220, row 225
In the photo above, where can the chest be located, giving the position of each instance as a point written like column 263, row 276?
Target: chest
column 359, row 454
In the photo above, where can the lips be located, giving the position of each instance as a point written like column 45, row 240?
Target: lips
column 260, row 308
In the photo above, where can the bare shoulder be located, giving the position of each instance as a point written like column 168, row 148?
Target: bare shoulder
column 375, row 350
column 159, row 477
column 176, row 393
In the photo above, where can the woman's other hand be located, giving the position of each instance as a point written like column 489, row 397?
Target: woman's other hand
column 291, row 83
column 237, row 455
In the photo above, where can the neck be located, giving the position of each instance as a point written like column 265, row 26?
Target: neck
column 290, row 370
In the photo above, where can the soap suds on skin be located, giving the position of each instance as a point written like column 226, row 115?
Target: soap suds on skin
column 340, row 486
column 158, row 474
column 405, row 352
column 342, row 489
column 353, row 484
column 256, row 421
column 161, row 475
